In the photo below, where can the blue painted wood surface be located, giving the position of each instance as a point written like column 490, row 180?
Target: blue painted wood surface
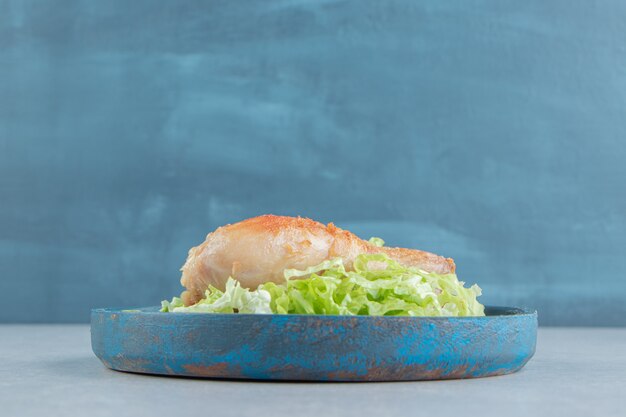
column 315, row 348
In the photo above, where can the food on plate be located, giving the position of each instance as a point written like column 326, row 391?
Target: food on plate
column 288, row 265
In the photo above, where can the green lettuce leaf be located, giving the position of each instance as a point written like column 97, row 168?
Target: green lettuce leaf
column 234, row 299
column 377, row 286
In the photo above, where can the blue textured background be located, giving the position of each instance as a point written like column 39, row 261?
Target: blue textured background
column 490, row 132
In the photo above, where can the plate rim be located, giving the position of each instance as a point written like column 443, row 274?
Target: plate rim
column 153, row 311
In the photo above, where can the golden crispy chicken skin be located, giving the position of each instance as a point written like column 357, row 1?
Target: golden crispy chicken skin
column 259, row 249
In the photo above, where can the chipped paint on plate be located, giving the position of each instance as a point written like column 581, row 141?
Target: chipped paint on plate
column 314, row 348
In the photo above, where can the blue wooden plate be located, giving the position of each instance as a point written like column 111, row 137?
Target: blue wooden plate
column 314, row 348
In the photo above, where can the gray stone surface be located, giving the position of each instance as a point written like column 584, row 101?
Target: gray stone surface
column 50, row 370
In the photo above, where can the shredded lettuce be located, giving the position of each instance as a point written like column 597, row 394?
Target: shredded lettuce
column 233, row 299
column 376, row 286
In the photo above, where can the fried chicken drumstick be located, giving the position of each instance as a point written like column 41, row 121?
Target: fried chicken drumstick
column 259, row 249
